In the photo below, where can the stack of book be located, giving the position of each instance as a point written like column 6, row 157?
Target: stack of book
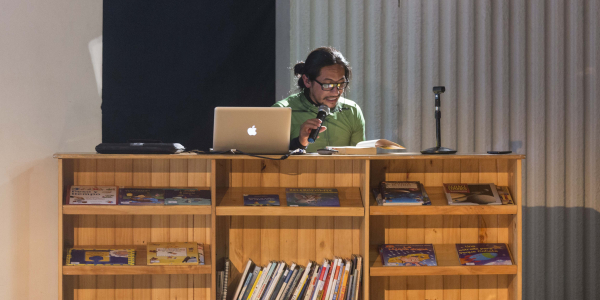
column 333, row 279
column 417, row 255
column 392, row 193
column 112, row 195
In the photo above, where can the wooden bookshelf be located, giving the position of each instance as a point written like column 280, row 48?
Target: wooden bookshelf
column 439, row 206
column 229, row 229
column 140, row 267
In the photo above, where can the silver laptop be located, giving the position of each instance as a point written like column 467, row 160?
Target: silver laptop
column 256, row 130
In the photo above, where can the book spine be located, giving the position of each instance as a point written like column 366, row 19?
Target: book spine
column 319, row 290
column 285, row 283
column 273, row 281
column 268, row 279
column 311, row 284
column 254, row 286
column 301, row 282
column 278, row 286
column 245, row 287
column 294, row 284
column 345, row 281
column 242, row 278
column 359, row 277
column 260, row 281
column 350, row 285
column 337, row 282
column 329, row 283
column 327, row 280
column 288, row 285
column 226, row 281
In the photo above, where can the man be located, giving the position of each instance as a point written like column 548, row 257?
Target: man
column 322, row 80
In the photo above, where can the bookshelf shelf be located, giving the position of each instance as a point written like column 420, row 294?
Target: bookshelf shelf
column 230, row 202
column 448, row 264
column 135, row 210
column 140, row 267
column 439, row 206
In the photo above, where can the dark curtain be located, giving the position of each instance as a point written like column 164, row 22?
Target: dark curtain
column 168, row 64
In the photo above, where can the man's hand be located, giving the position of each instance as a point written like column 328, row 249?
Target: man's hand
column 306, row 128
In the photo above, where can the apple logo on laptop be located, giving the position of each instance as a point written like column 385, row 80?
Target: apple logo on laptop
column 252, row 130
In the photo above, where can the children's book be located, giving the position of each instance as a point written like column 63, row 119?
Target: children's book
column 92, row 194
column 405, row 255
column 382, row 202
column 483, row 254
column 187, row 197
column 172, row 253
column 504, row 195
column 261, row 200
column 89, row 256
column 312, row 197
column 401, row 192
column 141, row 196
column 471, row 194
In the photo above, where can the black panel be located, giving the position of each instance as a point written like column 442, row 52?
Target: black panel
column 168, row 64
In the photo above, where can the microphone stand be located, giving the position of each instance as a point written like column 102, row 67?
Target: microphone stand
column 438, row 149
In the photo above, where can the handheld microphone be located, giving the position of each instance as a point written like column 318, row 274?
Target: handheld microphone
column 323, row 112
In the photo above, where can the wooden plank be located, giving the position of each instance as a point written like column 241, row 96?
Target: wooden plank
column 105, row 232
column 199, row 175
column 159, row 232
column 269, row 236
column 295, row 229
column 252, row 239
column 324, row 226
column 85, row 174
column 269, row 174
column 252, row 173
column 396, row 228
column 343, row 173
column 178, row 227
column 124, row 228
column 469, row 173
column 142, row 176
column 342, row 236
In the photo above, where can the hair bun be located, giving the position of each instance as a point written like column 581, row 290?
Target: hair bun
column 299, row 68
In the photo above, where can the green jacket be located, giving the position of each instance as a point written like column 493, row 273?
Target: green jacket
column 345, row 125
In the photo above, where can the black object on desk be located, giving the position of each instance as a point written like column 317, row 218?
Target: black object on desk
column 438, row 149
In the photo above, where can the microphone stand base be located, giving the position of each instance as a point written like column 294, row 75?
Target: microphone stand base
column 438, row 150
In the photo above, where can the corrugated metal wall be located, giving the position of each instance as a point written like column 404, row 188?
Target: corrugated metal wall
column 519, row 75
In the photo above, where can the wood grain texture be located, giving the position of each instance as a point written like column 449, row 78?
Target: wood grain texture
column 301, row 238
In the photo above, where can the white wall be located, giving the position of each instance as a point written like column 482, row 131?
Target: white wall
column 48, row 103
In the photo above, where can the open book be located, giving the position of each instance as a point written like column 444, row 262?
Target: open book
column 366, row 147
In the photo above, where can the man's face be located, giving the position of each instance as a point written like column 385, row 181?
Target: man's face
column 329, row 74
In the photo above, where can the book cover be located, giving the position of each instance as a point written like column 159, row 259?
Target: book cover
column 504, row 194
column 92, row 195
column 201, row 254
column 471, row 194
column 187, row 197
column 404, row 255
column 255, row 274
column 312, row 197
column 261, row 200
column 172, row 253
column 141, row 196
column 401, row 192
column 483, row 254
column 110, row 257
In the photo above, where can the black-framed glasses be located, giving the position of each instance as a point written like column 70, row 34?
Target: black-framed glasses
column 329, row 86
